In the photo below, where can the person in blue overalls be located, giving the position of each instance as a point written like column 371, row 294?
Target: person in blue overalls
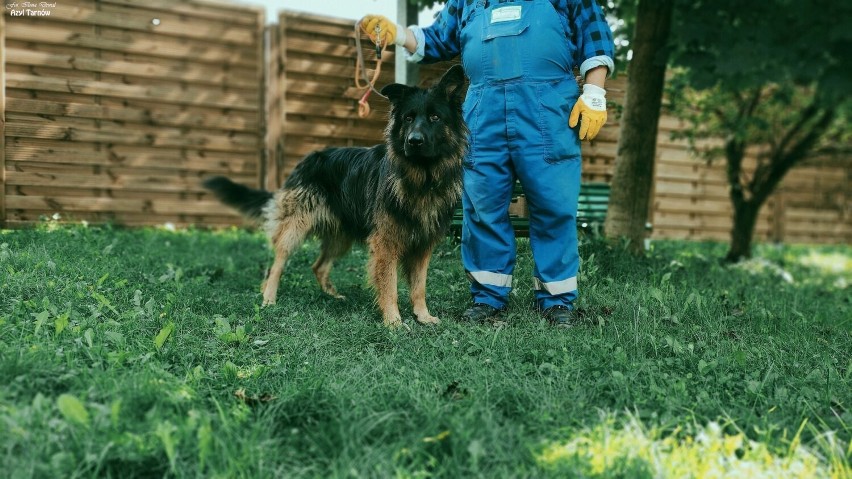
column 522, row 99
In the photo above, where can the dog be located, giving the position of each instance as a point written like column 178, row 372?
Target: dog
column 397, row 197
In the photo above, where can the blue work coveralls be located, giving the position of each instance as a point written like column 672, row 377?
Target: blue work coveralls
column 519, row 56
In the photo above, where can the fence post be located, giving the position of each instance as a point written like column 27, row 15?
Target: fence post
column 272, row 108
column 263, row 99
column 405, row 72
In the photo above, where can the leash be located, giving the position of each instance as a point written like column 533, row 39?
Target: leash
column 361, row 70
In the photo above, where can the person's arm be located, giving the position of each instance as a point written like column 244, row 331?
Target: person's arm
column 597, row 76
column 410, row 43
column 595, row 50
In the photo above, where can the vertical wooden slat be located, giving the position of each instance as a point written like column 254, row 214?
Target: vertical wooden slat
column 2, row 120
column 778, row 219
column 280, row 72
column 260, row 37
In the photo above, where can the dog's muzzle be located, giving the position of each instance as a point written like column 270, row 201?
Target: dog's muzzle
column 416, row 145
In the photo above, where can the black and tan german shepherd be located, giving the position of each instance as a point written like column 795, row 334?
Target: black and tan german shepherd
column 398, row 197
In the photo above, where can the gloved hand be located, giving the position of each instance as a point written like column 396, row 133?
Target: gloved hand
column 590, row 109
column 389, row 32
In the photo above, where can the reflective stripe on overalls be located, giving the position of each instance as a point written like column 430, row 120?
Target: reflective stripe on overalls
column 522, row 90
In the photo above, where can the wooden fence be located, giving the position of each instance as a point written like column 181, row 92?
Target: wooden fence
column 114, row 109
column 813, row 204
column 110, row 116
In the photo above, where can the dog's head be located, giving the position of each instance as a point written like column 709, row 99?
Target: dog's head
column 427, row 124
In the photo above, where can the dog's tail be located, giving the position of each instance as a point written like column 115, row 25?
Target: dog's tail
column 247, row 201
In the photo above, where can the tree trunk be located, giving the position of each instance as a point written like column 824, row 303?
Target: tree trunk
column 768, row 175
column 634, row 166
column 745, row 219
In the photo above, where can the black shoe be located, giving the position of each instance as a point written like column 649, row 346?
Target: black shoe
column 481, row 313
column 560, row 316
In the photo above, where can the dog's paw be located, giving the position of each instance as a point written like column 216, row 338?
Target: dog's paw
column 393, row 322
column 268, row 302
column 428, row 319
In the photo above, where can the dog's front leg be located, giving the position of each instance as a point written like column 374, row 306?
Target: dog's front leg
column 384, row 260
column 415, row 268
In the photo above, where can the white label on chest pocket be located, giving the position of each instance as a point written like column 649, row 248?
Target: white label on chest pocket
column 505, row 14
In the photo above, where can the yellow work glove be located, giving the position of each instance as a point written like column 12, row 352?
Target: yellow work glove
column 389, row 32
column 590, row 110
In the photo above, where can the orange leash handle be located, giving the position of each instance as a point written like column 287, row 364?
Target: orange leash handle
column 361, row 72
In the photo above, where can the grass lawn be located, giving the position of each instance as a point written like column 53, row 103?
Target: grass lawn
column 144, row 353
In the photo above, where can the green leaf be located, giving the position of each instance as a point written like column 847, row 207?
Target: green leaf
column 72, row 409
column 163, row 335
column 222, row 326
column 164, row 432
column 115, row 412
column 205, row 443
column 40, row 320
column 103, row 301
column 753, row 386
column 705, row 367
column 61, row 322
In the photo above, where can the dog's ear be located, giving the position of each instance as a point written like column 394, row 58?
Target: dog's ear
column 452, row 83
column 396, row 92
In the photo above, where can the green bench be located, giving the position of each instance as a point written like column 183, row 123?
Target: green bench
column 591, row 210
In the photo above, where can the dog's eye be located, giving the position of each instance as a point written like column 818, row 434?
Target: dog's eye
column 434, row 118
column 408, row 118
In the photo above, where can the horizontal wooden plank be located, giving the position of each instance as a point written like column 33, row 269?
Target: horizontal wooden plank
column 162, row 22
column 247, row 15
column 813, row 238
column 132, row 42
column 327, row 27
column 693, row 222
column 335, row 50
column 106, row 204
column 818, row 234
column 147, row 136
column 111, row 125
column 689, row 234
column 82, row 153
column 663, row 203
column 112, row 180
column 600, row 149
column 185, row 73
column 330, row 130
column 692, row 189
column 339, row 109
column 813, row 215
column 344, row 69
column 117, row 171
column 150, row 114
column 338, row 90
column 597, row 170
column 188, row 96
